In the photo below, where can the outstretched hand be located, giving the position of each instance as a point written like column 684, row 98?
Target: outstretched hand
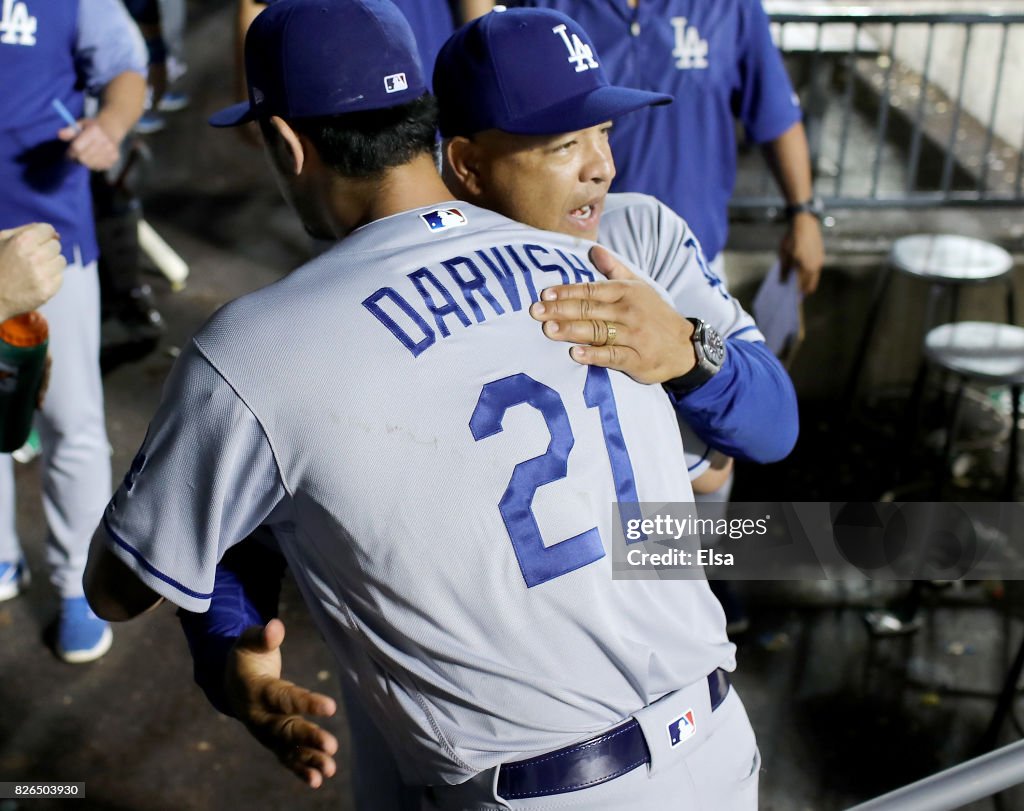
column 274, row 710
column 626, row 323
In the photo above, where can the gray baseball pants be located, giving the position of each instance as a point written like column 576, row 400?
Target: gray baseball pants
column 75, row 462
column 714, row 769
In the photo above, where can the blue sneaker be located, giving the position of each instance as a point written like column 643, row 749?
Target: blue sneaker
column 150, row 123
column 14, row 577
column 172, row 102
column 81, row 635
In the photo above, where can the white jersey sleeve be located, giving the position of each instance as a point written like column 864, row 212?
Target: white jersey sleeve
column 659, row 242
column 205, row 474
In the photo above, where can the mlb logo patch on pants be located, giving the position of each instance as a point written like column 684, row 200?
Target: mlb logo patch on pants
column 682, row 728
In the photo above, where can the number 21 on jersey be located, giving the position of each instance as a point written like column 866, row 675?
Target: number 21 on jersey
column 540, row 563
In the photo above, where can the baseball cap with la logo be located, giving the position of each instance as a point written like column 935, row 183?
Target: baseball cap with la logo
column 530, row 72
column 312, row 58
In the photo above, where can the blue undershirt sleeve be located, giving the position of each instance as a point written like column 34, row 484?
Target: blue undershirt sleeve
column 246, row 589
column 748, row 410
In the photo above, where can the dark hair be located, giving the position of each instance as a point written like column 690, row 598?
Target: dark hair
column 366, row 143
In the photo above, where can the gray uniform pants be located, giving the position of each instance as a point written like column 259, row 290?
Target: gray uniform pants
column 172, row 27
column 714, row 769
column 75, row 462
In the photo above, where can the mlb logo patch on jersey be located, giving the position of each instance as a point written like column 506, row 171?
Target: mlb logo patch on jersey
column 396, row 82
column 441, row 219
column 682, row 729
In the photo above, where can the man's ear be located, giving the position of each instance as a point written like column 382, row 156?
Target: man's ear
column 291, row 145
column 462, row 166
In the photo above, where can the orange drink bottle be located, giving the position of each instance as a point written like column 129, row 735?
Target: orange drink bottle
column 23, row 343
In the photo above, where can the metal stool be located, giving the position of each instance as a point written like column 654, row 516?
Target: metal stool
column 947, row 262
column 988, row 353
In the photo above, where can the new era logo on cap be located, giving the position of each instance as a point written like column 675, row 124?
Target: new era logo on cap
column 395, row 82
column 441, row 219
column 682, row 729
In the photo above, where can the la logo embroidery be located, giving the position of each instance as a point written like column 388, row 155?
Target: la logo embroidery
column 16, row 26
column 580, row 54
column 691, row 52
column 682, row 729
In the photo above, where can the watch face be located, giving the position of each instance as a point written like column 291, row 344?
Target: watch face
column 710, row 351
column 714, row 347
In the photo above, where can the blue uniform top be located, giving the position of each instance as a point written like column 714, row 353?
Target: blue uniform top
column 718, row 60
column 55, row 49
column 432, row 23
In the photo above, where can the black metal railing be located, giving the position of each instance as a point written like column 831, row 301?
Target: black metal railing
column 903, row 109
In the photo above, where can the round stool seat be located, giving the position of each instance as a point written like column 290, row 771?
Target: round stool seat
column 980, row 350
column 949, row 258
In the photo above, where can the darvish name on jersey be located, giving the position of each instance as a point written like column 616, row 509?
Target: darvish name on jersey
column 17, row 26
column 489, row 283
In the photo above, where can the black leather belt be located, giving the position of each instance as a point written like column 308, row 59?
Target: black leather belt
column 590, row 762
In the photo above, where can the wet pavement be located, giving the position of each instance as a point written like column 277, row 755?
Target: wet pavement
column 839, row 718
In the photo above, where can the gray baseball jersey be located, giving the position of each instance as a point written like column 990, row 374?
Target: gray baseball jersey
column 659, row 242
column 440, row 477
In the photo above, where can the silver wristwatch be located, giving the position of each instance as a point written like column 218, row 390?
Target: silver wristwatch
column 709, row 348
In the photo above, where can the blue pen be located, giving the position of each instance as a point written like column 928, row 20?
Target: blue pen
column 65, row 113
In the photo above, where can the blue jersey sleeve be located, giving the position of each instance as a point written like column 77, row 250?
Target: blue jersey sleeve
column 749, row 409
column 108, row 44
column 764, row 101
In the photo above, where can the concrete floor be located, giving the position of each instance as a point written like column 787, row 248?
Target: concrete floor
column 836, row 720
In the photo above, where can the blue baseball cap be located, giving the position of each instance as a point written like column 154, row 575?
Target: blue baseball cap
column 530, row 72
column 310, row 58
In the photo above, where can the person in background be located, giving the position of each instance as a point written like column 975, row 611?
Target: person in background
column 162, row 23
column 47, row 150
column 718, row 61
